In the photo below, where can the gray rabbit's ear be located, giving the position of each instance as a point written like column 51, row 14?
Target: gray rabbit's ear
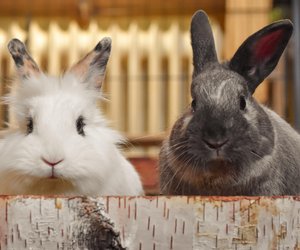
column 90, row 70
column 203, row 44
column 259, row 54
column 26, row 66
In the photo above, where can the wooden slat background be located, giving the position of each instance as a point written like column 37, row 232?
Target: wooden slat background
column 239, row 18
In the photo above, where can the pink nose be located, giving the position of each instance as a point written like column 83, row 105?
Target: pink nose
column 51, row 164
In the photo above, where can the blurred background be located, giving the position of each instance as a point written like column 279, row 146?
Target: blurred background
column 149, row 72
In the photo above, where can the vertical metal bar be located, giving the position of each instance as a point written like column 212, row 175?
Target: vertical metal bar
column 296, row 20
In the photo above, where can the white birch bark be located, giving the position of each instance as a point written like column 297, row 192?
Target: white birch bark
column 144, row 223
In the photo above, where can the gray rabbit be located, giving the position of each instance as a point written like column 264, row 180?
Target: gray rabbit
column 226, row 143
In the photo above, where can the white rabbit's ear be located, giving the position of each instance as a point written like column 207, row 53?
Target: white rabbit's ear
column 26, row 66
column 90, row 70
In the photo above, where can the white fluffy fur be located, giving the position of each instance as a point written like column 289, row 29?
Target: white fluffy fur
column 92, row 164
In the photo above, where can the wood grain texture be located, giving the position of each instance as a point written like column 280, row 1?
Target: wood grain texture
column 107, row 8
column 149, row 223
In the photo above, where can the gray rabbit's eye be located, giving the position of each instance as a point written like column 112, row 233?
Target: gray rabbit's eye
column 242, row 103
column 193, row 105
column 29, row 125
column 80, row 125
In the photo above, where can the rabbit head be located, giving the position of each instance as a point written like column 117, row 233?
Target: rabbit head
column 63, row 144
column 225, row 129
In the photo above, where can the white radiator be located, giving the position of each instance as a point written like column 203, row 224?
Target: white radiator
column 149, row 72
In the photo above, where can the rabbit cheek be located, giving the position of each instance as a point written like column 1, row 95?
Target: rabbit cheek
column 184, row 124
column 181, row 125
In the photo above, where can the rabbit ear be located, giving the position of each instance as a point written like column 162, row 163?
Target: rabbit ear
column 203, row 44
column 259, row 54
column 26, row 66
column 90, row 70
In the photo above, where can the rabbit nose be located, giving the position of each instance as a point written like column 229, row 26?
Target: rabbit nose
column 214, row 144
column 52, row 164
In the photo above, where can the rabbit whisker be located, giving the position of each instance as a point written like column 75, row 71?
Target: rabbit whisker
column 173, row 160
column 187, row 166
column 256, row 154
column 172, row 177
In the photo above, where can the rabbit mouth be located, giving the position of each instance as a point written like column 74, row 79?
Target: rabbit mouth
column 53, row 175
column 218, row 155
column 52, row 165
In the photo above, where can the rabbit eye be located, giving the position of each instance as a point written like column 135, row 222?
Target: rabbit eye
column 80, row 125
column 242, row 103
column 193, row 105
column 29, row 125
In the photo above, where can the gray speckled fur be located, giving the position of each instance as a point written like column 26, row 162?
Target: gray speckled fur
column 261, row 154
column 285, row 156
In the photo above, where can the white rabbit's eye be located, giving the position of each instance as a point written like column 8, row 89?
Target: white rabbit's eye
column 29, row 125
column 242, row 103
column 80, row 125
column 193, row 105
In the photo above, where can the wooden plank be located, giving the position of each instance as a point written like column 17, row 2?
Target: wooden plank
column 145, row 141
column 75, row 8
column 136, row 88
column 175, row 84
column 144, row 223
column 115, row 81
column 278, row 88
column 156, row 116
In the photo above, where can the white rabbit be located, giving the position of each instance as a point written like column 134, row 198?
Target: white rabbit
column 63, row 144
